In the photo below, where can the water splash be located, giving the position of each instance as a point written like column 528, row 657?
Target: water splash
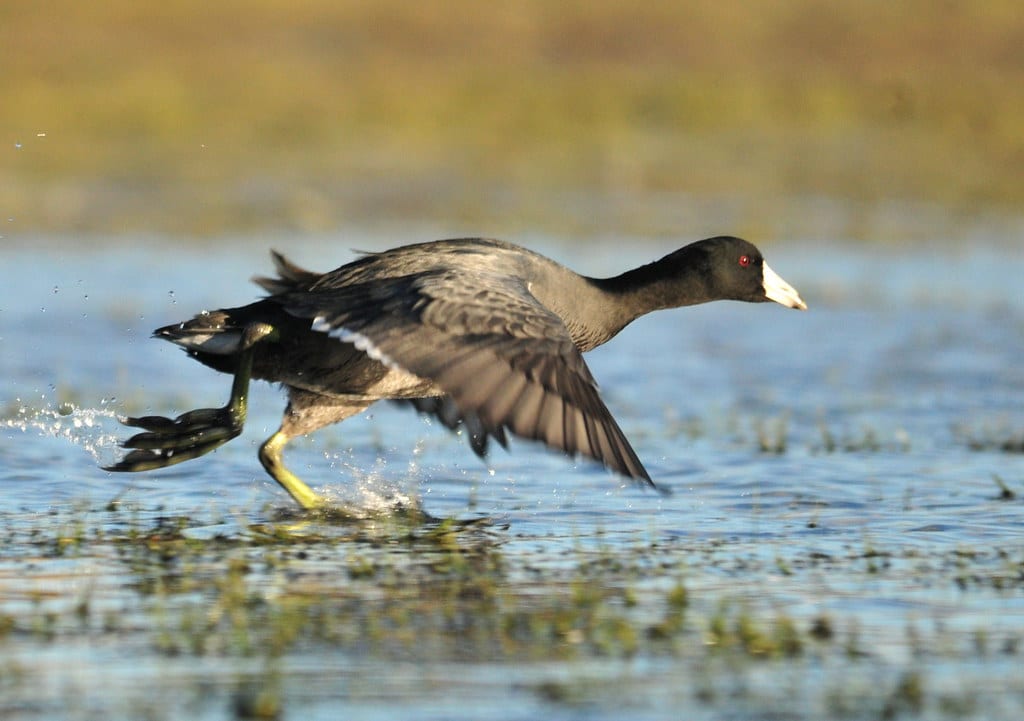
column 85, row 427
column 368, row 493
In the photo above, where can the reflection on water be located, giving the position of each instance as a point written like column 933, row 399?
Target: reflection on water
column 847, row 462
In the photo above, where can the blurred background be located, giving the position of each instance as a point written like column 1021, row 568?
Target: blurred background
column 791, row 119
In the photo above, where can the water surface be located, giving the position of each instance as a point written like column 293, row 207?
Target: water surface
column 845, row 464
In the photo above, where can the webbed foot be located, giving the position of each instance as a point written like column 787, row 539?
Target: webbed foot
column 167, row 441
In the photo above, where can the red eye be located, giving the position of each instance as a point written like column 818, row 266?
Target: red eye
column 744, row 261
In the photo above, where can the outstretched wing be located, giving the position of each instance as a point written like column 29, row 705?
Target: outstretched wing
column 505, row 361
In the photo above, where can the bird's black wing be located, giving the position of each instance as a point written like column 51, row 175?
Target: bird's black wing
column 505, row 361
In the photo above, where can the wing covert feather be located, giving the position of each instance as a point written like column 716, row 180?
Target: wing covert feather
column 503, row 359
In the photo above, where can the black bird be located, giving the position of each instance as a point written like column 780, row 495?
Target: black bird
column 482, row 333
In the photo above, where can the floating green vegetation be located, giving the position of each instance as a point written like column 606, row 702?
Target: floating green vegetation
column 1005, row 492
column 258, row 596
column 1007, row 443
column 992, row 435
column 741, row 631
column 865, row 440
column 772, row 435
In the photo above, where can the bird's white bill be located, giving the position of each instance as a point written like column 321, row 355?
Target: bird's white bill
column 775, row 288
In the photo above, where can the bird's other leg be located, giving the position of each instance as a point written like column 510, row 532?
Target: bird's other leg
column 167, row 441
column 306, row 413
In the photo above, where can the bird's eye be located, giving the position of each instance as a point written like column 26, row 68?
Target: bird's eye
column 744, row 261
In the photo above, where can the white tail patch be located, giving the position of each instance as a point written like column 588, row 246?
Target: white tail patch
column 215, row 342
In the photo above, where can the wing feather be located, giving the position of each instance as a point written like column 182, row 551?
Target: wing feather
column 502, row 359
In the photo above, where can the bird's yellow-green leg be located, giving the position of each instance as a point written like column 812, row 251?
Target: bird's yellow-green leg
column 307, row 411
column 167, row 442
column 270, row 457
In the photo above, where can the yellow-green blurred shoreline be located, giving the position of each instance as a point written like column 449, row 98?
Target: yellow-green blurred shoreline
column 775, row 119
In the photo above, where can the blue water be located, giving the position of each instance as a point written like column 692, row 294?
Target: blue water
column 800, row 449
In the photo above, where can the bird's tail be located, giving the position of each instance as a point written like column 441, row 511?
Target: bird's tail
column 290, row 277
column 211, row 332
column 219, row 332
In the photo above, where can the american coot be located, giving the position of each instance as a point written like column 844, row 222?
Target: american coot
column 483, row 334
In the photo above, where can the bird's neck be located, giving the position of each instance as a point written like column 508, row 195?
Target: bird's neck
column 676, row 280
column 601, row 307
